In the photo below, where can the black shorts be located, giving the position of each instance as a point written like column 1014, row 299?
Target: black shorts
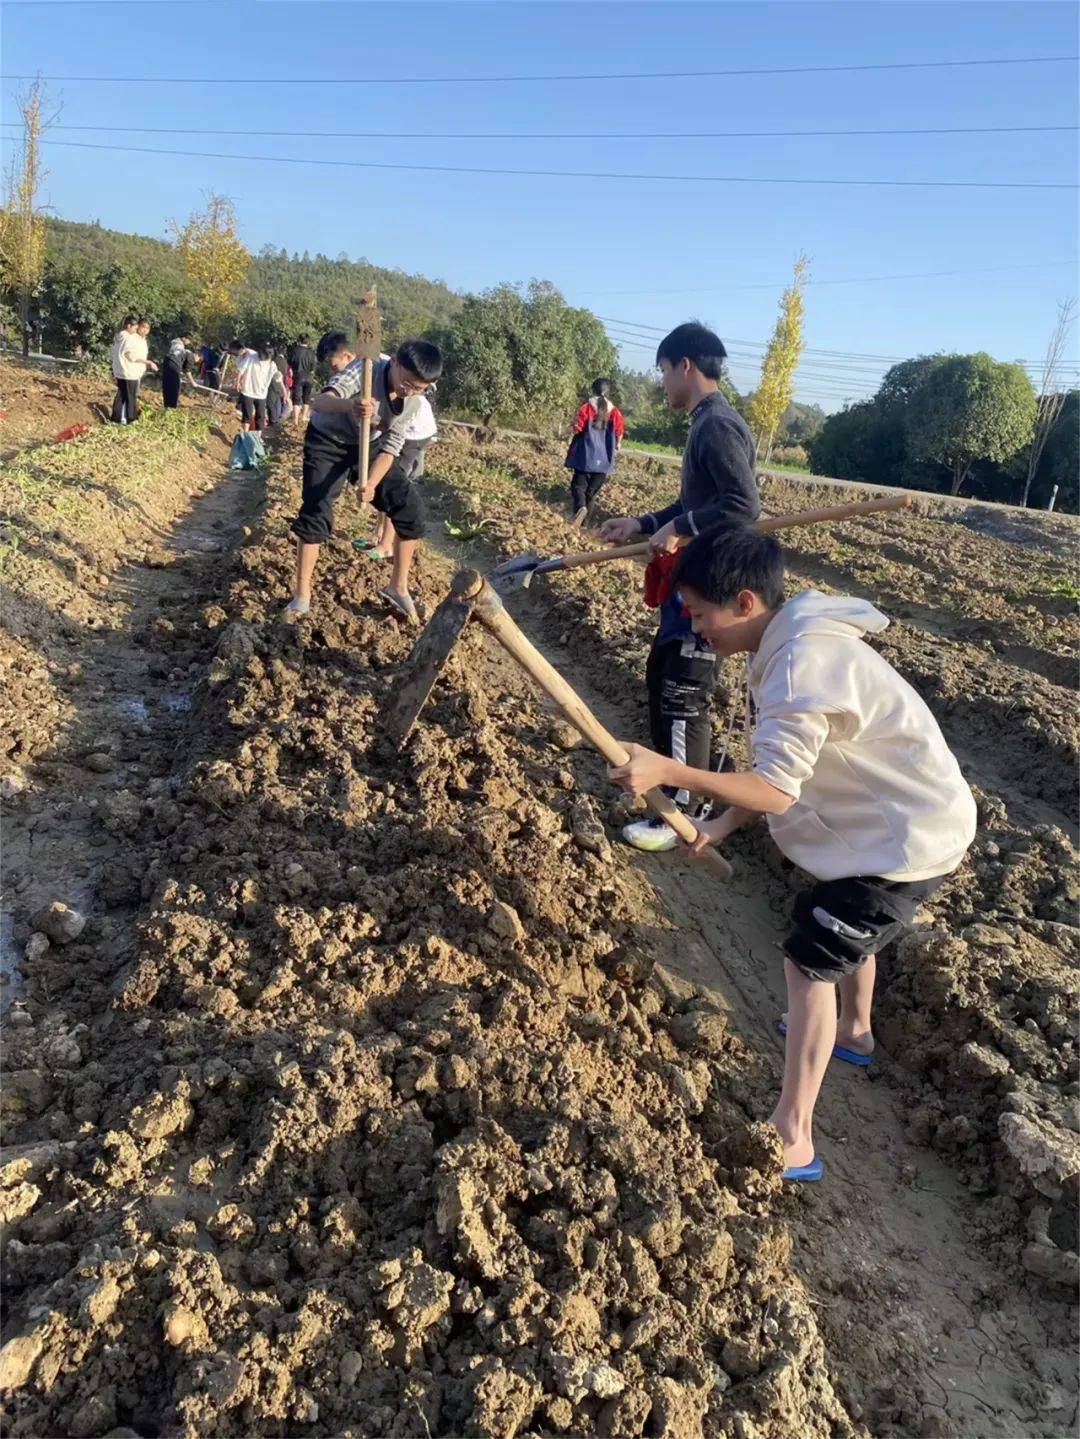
column 327, row 469
column 301, row 392
column 839, row 923
column 398, row 498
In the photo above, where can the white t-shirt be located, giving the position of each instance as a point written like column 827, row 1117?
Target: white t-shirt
column 422, row 425
column 255, row 376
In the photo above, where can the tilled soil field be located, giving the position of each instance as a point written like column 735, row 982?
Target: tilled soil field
column 357, row 1105
column 979, row 1006
column 369, row 1120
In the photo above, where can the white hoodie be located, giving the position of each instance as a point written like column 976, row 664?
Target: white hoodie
column 877, row 790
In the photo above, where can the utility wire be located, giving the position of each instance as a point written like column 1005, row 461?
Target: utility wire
column 568, row 174
column 849, row 280
column 560, row 135
column 648, row 331
column 546, row 79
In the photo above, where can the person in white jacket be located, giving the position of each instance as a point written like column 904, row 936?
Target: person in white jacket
column 126, row 372
column 856, row 782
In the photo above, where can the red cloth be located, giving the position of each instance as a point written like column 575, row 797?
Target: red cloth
column 587, row 414
column 659, row 578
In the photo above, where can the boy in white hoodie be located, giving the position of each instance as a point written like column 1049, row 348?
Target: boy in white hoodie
column 854, row 778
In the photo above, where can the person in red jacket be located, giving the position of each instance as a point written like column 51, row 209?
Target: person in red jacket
column 596, row 441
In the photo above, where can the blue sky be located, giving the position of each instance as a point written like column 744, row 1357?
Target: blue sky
column 647, row 252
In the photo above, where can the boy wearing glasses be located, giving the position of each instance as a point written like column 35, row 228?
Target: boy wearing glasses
column 331, row 458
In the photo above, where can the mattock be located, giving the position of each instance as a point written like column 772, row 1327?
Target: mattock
column 368, row 347
column 470, row 594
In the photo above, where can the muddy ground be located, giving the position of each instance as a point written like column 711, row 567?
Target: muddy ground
column 350, row 1109
column 355, row 1109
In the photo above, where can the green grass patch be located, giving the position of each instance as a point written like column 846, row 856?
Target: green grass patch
column 113, row 464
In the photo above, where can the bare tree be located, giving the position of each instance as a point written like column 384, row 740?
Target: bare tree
column 1051, row 393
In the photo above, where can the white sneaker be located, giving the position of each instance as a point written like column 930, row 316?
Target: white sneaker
column 651, row 834
column 297, row 606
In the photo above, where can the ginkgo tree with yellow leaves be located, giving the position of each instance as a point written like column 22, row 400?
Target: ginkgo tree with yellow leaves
column 214, row 258
column 773, row 394
column 22, row 223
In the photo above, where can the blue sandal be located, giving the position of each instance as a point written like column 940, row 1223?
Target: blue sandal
column 805, row 1173
column 849, row 1056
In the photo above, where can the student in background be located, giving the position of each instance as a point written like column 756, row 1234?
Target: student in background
column 212, row 367
column 597, row 439
column 301, row 359
column 141, row 349
column 125, row 372
column 256, row 377
column 242, row 356
column 278, row 396
column 178, row 363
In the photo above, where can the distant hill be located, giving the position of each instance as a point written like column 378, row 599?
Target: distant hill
column 307, row 289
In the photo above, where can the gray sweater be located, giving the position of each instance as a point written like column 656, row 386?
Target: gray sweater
column 718, row 479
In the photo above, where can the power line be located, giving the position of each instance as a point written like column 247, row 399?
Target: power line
column 648, row 331
column 561, row 135
column 568, row 174
column 547, row 79
column 848, row 280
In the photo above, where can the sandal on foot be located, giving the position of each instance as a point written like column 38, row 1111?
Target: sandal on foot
column 402, row 603
column 805, row 1173
column 849, row 1056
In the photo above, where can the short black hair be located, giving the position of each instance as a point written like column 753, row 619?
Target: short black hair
column 301, row 339
column 730, row 557
column 421, row 358
column 266, row 352
column 697, row 344
column 129, row 320
column 235, row 345
column 330, row 344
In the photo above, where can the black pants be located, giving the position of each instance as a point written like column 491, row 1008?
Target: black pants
column 126, row 405
column 584, row 488
column 170, row 385
column 253, row 410
column 680, row 679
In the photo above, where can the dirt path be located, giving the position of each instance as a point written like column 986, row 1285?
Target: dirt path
column 935, row 1339
column 130, row 689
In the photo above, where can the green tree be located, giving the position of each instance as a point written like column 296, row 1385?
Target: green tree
column 969, row 408
column 523, row 357
column 860, row 442
column 81, row 305
column 773, row 394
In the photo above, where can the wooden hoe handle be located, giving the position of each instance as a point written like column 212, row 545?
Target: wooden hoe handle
column 774, row 522
column 489, row 610
column 365, row 427
column 832, row 512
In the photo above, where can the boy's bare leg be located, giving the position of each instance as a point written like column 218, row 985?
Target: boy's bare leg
column 403, row 558
column 384, row 537
column 854, row 1031
column 811, row 1034
column 306, row 557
